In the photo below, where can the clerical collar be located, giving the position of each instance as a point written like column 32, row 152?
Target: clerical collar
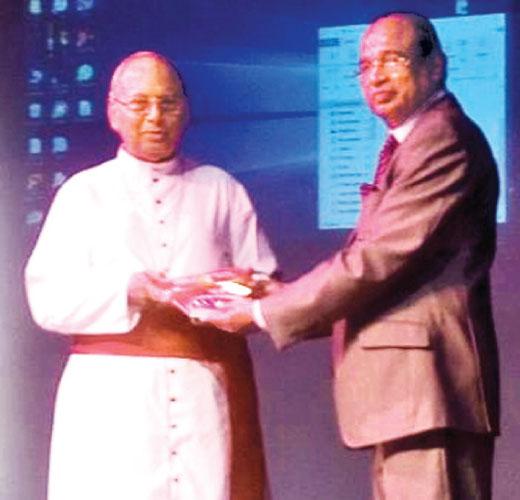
column 401, row 132
column 164, row 167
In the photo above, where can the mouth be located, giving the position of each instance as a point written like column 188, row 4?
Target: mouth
column 382, row 97
column 154, row 135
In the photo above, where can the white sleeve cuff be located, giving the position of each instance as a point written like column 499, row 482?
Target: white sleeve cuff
column 258, row 316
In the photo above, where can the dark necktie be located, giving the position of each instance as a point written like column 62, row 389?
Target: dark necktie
column 384, row 158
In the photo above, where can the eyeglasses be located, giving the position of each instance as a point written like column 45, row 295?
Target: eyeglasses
column 167, row 105
column 388, row 62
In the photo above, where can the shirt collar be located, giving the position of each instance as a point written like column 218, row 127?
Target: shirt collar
column 402, row 131
column 168, row 167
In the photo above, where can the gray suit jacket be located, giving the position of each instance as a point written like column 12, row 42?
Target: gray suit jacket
column 409, row 293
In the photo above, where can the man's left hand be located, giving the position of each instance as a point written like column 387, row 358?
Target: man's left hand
column 232, row 315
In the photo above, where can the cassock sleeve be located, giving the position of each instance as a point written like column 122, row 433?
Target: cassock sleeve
column 249, row 245
column 67, row 291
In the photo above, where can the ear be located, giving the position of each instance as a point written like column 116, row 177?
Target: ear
column 187, row 113
column 438, row 68
column 113, row 116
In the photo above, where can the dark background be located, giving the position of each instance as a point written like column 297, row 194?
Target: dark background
column 250, row 70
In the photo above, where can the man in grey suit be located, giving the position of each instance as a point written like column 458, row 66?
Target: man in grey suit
column 415, row 358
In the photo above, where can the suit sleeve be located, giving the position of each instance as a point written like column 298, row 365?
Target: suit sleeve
column 401, row 238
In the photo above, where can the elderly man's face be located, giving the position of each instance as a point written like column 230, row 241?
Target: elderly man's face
column 148, row 110
column 395, row 80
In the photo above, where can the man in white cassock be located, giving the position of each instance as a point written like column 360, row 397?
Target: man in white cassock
column 149, row 406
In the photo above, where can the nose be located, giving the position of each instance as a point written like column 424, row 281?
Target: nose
column 154, row 111
column 376, row 74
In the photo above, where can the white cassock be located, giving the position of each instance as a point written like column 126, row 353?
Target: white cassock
column 139, row 427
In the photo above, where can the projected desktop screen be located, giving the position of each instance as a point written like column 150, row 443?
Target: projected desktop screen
column 350, row 136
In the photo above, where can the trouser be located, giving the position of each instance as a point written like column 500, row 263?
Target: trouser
column 443, row 464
